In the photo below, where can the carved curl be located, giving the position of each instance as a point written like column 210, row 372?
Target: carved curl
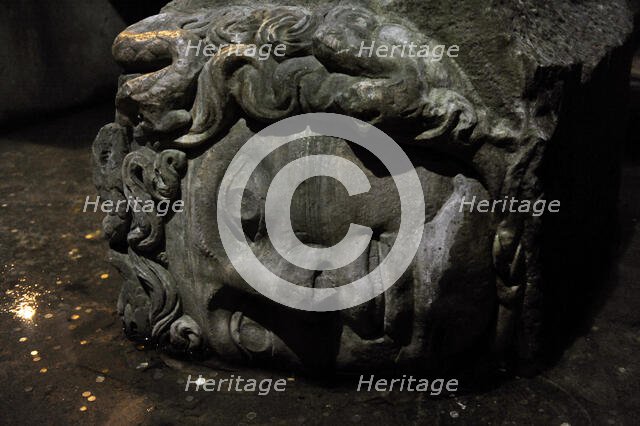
column 148, row 176
column 185, row 335
column 149, row 302
column 322, row 71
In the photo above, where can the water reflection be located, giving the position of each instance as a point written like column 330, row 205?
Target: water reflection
column 22, row 301
column 25, row 312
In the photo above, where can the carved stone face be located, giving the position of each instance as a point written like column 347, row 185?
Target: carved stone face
column 183, row 116
column 448, row 286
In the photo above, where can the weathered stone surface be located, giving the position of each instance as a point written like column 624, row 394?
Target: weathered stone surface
column 493, row 123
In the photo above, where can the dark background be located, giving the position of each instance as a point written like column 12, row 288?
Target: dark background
column 56, row 55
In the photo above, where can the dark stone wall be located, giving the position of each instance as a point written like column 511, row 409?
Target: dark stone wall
column 56, row 55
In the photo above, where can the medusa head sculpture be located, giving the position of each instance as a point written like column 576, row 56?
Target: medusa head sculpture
column 194, row 91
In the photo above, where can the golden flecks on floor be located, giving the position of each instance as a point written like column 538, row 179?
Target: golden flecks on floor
column 86, row 394
column 91, row 398
column 104, row 276
column 99, row 379
column 84, row 342
column 93, row 235
column 48, row 316
column 88, row 311
column 23, row 300
column 22, row 339
column 104, row 370
column 34, row 353
column 36, row 359
column 74, row 254
column 78, row 308
column 83, row 408
column 75, row 317
column 43, row 370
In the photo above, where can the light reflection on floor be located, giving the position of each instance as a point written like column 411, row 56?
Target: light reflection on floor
column 22, row 300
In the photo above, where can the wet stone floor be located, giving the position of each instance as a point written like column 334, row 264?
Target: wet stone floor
column 65, row 360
